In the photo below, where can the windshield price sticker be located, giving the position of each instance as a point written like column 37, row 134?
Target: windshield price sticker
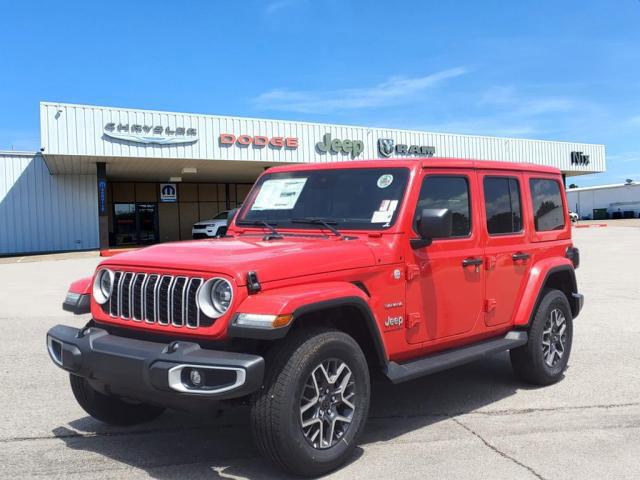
column 279, row 194
column 385, row 213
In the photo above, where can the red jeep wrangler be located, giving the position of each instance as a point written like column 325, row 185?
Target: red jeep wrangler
column 327, row 272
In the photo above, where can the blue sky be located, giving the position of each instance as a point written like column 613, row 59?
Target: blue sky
column 558, row 70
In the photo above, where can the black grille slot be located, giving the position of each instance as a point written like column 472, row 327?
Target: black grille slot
column 156, row 298
column 163, row 300
column 193, row 319
column 126, row 285
column 150, row 299
column 177, row 297
column 136, row 296
column 115, row 295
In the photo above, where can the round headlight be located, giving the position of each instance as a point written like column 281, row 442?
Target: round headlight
column 215, row 297
column 102, row 285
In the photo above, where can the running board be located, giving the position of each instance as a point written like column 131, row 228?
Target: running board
column 401, row 372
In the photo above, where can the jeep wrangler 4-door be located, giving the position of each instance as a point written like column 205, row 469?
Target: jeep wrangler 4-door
column 329, row 272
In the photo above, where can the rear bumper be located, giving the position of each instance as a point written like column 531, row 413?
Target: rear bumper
column 154, row 372
column 578, row 302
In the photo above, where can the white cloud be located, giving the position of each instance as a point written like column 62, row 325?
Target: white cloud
column 509, row 97
column 273, row 7
column 394, row 91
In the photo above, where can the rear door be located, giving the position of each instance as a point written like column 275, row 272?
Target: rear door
column 507, row 251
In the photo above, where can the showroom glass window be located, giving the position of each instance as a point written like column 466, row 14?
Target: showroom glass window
column 450, row 192
column 502, row 205
column 548, row 212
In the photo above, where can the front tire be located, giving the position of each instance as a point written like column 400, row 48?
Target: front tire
column 110, row 409
column 543, row 359
column 311, row 410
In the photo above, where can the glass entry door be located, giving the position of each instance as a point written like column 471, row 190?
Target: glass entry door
column 135, row 223
column 147, row 216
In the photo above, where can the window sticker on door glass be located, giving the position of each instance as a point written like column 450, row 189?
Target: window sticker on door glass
column 385, row 212
column 385, row 180
column 279, row 194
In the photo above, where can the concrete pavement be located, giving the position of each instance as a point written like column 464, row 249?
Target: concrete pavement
column 477, row 421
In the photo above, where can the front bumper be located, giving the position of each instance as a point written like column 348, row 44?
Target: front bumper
column 153, row 372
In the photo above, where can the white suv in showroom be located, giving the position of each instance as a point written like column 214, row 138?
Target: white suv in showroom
column 214, row 228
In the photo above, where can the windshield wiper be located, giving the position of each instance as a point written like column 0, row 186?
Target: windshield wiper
column 273, row 235
column 328, row 224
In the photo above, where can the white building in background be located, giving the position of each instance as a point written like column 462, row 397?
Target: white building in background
column 621, row 199
column 118, row 176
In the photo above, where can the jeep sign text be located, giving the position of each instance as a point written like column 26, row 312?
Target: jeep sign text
column 354, row 147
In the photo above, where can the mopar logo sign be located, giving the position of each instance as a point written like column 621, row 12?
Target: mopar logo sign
column 168, row 192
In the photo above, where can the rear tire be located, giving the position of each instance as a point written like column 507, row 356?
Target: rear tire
column 543, row 359
column 110, row 409
column 313, row 380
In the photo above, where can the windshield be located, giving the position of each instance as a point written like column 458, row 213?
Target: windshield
column 221, row 216
column 358, row 198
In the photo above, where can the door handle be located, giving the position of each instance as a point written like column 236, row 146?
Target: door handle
column 476, row 262
column 520, row 257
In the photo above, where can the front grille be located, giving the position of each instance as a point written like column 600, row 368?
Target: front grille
column 155, row 298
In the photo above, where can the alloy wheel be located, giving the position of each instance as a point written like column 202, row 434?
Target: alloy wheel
column 554, row 337
column 327, row 403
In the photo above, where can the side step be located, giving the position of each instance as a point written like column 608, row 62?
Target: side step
column 401, row 372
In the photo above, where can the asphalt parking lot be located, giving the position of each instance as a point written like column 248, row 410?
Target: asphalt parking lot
column 476, row 421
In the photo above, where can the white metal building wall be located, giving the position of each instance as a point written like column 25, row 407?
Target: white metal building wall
column 78, row 130
column 40, row 212
column 612, row 197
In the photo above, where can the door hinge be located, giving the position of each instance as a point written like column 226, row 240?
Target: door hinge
column 490, row 263
column 413, row 319
column 412, row 271
column 490, row 304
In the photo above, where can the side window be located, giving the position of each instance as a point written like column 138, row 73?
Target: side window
column 502, row 204
column 548, row 213
column 447, row 192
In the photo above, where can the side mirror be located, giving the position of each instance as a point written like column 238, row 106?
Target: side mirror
column 432, row 223
column 230, row 215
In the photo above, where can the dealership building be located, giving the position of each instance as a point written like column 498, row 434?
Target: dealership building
column 109, row 177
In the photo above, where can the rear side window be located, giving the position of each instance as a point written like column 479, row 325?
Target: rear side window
column 548, row 213
column 447, row 192
column 502, row 204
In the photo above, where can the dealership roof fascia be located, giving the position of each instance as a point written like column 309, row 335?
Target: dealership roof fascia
column 75, row 137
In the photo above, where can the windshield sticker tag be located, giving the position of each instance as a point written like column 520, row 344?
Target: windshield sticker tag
column 279, row 194
column 385, row 213
column 385, row 180
column 381, row 216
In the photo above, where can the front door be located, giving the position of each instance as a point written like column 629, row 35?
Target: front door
column 507, row 256
column 445, row 281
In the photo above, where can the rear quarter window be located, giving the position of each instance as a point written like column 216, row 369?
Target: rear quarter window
column 546, row 198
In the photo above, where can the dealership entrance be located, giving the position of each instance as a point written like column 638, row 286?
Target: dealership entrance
column 143, row 213
column 134, row 224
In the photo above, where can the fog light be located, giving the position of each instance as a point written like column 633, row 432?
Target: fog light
column 195, row 378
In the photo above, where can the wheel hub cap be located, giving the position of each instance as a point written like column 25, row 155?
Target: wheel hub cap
column 327, row 403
